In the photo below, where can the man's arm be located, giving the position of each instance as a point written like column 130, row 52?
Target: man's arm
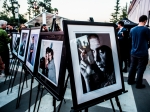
column 8, row 40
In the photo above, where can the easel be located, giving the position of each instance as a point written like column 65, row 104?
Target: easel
column 54, row 99
column 117, row 101
column 20, row 91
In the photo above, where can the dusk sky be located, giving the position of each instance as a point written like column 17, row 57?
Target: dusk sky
column 100, row 10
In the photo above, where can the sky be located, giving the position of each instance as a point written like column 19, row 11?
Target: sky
column 100, row 10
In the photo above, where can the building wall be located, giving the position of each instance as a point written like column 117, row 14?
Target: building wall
column 141, row 7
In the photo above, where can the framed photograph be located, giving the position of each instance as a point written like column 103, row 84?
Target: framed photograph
column 23, row 44
column 92, row 54
column 15, row 42
column 32, row 49
column 52, row 62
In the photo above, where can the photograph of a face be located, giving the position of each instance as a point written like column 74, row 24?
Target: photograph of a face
column 15, row 43
column 95, row 61
column 50, row 58
column 32, row 49
column 23, row 44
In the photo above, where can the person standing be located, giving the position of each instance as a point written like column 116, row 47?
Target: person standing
column 4, row 50
column 122, row 44
column 140, row 35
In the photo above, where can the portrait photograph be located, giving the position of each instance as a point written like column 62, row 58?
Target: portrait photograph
column 50, row 59
column 15, row 43
column 94, row 61
column 23, row 44
column 32, row 48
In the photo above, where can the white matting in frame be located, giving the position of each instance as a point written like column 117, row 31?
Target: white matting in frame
column 23, row 44
column 56, row 46
column 72, row 31
column 30, row 61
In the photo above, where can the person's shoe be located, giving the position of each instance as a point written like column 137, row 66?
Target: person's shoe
column 131, row 83
column 140, row 86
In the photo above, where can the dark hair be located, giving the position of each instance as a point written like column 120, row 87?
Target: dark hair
column 121, row 23
column 92, row 36
column 37, row 24
column 109, row 58
column 49, row 50
column 143, row 18
column 44, row 25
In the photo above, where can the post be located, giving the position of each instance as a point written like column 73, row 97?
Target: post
column 44, row 17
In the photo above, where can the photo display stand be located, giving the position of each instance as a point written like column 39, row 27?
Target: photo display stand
column 51, row 66
column 29, row 58
column 94, row 63
column 14, row 47
column 21, row 56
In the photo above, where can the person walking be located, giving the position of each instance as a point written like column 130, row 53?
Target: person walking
column 4, row 50
column 140, row 35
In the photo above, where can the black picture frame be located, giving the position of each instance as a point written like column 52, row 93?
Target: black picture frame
column 23, row 44
column 15, row 43
column 32, row 47
column 59, row 59
column 77, row 29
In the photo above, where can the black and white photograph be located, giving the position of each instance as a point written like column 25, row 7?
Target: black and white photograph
column 95, row 62
column 50, row 58
column 32, row 48
column 23, row 44
column 15, row 43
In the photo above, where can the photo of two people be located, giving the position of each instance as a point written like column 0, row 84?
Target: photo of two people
column 50, row 58
column 96, row 61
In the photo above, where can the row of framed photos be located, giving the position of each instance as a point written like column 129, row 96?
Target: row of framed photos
column 88, row 50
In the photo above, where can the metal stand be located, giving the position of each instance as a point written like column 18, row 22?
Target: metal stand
column 17, row 68
column 11, row 68
column 112, row 105
column 30, row 93
column 40, row 99
column 65, row 87
column 37, row 97
column 21, row 91
column 118, row 103
column 19, row 88
column 12, row 75
column 54, row 104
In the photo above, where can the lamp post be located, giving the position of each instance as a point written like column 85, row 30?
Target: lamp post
column 16, row 10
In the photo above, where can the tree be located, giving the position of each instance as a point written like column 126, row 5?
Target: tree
column 9, row 8
column 115, row 15
column 124, row 13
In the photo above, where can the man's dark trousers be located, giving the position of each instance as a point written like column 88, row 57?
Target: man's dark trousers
column 5, row 58
column 137, row 64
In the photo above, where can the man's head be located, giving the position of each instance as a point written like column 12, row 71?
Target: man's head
column 49, row 53
column 94, row 44
column 33, row 39
column 104, row 58
column 120, row 24
column 143, row 19
column 37, row 24
column 3, row 24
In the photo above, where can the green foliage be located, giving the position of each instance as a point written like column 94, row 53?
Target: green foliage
column 12, row 20
column 124, row 13
column 115, row 15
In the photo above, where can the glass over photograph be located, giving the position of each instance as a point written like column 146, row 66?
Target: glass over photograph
column 49, row 62
column 96, row 61
column 23, row 44
column 15, row 44
column 32, row 49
